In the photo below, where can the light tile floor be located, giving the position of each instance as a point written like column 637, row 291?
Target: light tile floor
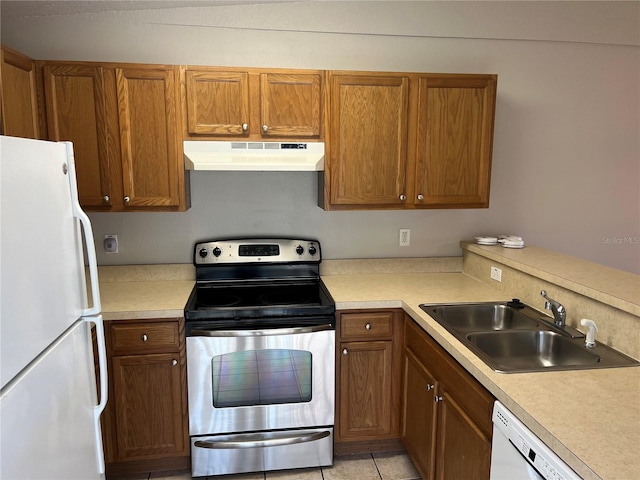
column 377, row 466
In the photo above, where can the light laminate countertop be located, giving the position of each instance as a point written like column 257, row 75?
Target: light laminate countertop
column 590, row 418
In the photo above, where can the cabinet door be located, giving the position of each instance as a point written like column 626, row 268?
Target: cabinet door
column 462, row 449
column 19, row 97
column 217, row 103
column 152, row 162
column 418, row 430
column 290, row 105
column 365, row 389
column 368, row 139
column 454, row 141
column 74, row 96
column 148, row 405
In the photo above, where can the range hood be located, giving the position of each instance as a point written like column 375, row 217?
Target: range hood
column 254, row 156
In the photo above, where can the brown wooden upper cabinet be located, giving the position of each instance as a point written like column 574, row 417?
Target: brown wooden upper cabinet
column 253, row 104
column 151, row 151
column 124, row 123
column 368, row 139
column 409, row 140
column 454, row 140
column 75, row 103
column 291, row 104
column 19, row 96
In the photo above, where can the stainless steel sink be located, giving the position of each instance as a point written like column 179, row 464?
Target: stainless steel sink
column 527, row 350
column 474, row 317
column 512, row 337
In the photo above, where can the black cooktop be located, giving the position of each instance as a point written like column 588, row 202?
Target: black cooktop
column 259, row 299
column 249, row 283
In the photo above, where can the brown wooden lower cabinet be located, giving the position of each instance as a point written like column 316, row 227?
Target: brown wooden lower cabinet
column 419, row 416
column 446, row 424
column 145, row 423
column 369, row 346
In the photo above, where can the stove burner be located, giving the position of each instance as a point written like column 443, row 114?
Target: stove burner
column 221, row 300
column 284, row 298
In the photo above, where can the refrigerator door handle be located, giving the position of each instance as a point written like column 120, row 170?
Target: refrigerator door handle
column 102, row 403
column 88, row 235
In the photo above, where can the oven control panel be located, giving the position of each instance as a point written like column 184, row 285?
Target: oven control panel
column 257, row 250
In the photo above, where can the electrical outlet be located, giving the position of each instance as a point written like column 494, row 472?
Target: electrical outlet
column 405, row 237
column 496, row 274
column 111, row 243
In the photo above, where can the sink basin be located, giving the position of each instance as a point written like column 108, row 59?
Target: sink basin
column 513, row 337
column 529, row 350
column 470, row 317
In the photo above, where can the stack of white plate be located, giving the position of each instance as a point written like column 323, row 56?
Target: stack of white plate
column 487, row 240
column 507, row 241
column 511, row 241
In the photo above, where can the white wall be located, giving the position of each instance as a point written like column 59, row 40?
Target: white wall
column 566, row 163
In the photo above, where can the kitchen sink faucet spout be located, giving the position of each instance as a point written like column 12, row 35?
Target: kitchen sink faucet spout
column 558, row 310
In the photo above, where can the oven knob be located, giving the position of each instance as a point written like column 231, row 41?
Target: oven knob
column 217, row 252
column 299, row 250
column 203, row 252
column 312, row 250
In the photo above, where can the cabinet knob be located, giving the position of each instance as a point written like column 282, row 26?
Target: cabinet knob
column 403, row 197
column 106, row 199
column 367, row 326
column 144, row 337
column 430, row 386
column 127, row 199
column 344, row 351
column 420, row 197
column 245, row 126
column 265, row 128
column 438, row 398
column 174, row 362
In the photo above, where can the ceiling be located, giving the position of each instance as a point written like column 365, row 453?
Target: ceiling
column 23, row 8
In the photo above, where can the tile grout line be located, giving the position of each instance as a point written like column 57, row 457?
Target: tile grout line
column 376, row 465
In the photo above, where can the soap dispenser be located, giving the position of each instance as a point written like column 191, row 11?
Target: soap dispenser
column 590, row 341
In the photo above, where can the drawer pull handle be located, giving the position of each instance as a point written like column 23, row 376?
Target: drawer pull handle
column 438, row 399
column 344, row 351
column 174, row 362
column 367, row 326
column 144, row 337
column 430, row 386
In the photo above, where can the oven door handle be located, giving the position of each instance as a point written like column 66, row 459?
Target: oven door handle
column 260, row 440
column 260, row 333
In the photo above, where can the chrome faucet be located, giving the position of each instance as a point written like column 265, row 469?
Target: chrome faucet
column 558, row 310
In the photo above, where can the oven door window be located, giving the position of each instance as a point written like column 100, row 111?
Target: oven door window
column 261, row 377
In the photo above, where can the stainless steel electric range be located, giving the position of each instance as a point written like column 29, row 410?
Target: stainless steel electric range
column 260, row 329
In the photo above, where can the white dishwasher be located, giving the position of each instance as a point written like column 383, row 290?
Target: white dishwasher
column 518, row 454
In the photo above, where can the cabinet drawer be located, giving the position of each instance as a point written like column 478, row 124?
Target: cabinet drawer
column 363, row 326
column 145, row 337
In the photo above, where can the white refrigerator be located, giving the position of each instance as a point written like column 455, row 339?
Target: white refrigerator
column 49, row 402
